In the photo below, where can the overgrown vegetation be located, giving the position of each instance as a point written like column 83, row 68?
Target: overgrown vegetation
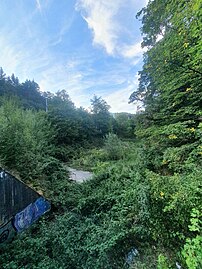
column 145, row 196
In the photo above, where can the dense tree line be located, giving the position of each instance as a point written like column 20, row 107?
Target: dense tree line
column 73, row 125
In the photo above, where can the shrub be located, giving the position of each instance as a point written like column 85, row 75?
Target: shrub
column 192, row 251
column 113, row 147
column 25, row 140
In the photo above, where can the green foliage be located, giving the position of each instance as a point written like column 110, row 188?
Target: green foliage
column 25, row 140
column 113, row 147
column 28, row 92
column 142, row 195
column 105, row 218
column 172, row 199
column 192, row 251
column 99, row 105
column 125, row 124
column 99, row 221
column 170, row 82
column 162, row 262
column 74, row 125
column 89, row 159
column 97, row 159
column 158, row 206
column 101, row 116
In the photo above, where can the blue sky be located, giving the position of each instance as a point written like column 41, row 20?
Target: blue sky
column 84, row 46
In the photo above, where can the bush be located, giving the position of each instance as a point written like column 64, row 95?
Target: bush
column 192, row 251
column 113, row 147
column 25, row 140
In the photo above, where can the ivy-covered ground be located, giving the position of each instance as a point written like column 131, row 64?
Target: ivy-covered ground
column 126, row 205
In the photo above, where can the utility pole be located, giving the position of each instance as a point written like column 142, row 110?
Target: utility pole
column 46, row 104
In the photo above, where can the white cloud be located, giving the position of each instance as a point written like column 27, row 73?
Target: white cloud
column 118, row 100
column 131, row 51
column 58, row 77
column 65, row 27
column 38, row 5
column 22, row 58
column 100, row 17
column 109, row 28
column 9, row 57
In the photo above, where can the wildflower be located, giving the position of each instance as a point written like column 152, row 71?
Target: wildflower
column 192, row 129
column 172, row 136
column 188, row 89
column 161, row 194
column 185, row 45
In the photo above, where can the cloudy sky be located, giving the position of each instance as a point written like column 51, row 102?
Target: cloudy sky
column 84, row 46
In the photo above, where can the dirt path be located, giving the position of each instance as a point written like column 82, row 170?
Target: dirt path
column 79, row 175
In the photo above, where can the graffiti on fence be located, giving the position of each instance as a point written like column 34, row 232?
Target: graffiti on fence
column 30, row 214
column 7, row 232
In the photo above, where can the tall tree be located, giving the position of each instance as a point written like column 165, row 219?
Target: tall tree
column 125, row 124
column 2, row 74
column 29, row 91
column 172, row 71
column 2, row 81
column 171, row 80
column 14, row 80
column 99, row 105
column 101, row 116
